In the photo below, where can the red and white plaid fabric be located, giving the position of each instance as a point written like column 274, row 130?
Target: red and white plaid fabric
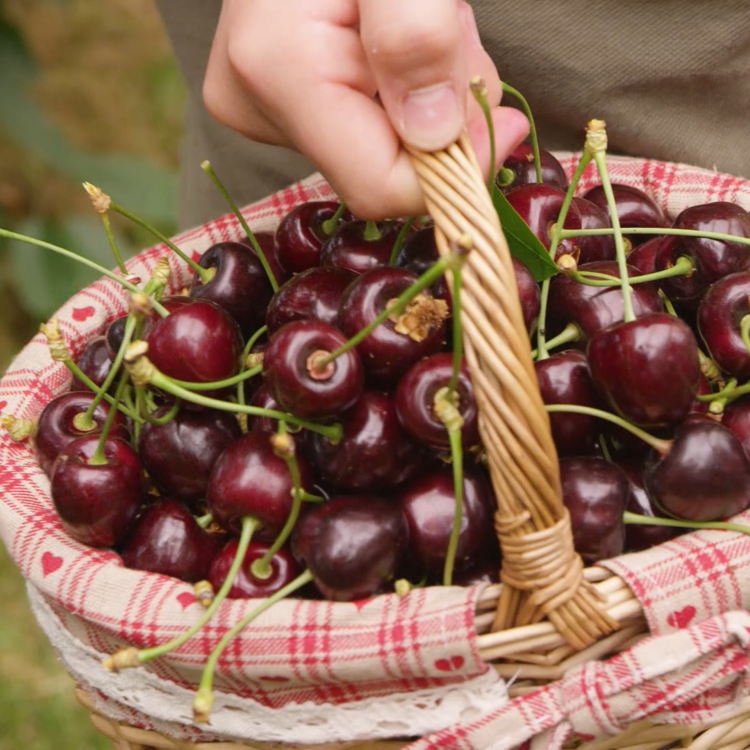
column 317, row 651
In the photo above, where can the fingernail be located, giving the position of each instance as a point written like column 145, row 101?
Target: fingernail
column 432, row 117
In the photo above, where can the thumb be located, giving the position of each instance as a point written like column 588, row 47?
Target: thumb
column 414, row 49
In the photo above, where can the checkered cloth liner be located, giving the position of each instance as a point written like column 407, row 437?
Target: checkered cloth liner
column 336, row 653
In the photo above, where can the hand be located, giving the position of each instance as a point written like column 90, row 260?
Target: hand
column 344, row 81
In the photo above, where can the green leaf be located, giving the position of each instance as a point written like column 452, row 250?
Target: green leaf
column 523, row 243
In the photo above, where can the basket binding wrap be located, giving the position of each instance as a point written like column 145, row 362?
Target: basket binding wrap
column 98, row 604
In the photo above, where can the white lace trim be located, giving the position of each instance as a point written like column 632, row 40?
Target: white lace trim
column 169, row 707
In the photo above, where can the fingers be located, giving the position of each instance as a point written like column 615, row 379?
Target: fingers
column 415, row 52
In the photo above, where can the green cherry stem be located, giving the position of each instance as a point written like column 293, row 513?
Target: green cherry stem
column 571, row 332
column 112, row 243
column 637, row 518
column 682, row 267
column 457, row 331
column 99, row 459
column 479, row 90
column 660, row 446
column 251, row 341
column 745, row 331
column 209, row 170
column 454, row 436
column 204, row 697
column 132, row 657
column 149, row 417
column 372, row 231
column 218, row 384
column 330, row 224
column 405, row 227
column 532, row 127
column 204, row 521
column 666, row 231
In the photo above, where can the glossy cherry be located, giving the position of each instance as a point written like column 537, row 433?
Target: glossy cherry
column 296, row 379
column 56, row 429
column 643, row 256
column 736, row 417
column 415, row 401
column 352, row 545
column 97, row 503
column 167, row 539
column 249, row 479
column 529, row 294
column 349, row 247
column 705, row 476
column 267, row 242
column 94, row 362
column 518, row 169
column 418, row 253
column 283, row 568
column 114, row 335
column 375, row 452
column 386, row 352
column 647, row 369
column 594, row 247
column 595, row 493
column 180, row 454
column 239, row 285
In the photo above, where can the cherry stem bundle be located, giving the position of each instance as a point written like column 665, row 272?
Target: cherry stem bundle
column 682, row 267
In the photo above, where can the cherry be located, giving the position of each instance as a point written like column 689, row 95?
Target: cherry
column 705, row 476
column 267, row 242
column 374, row 451
column 647, row 369
column 518, row 169
column 595, row 493
column 311, row 295
column 352, row 545
column 360, row 246
column 593, row 308
column 594, row 247
column 197, row 342
column 528, row 294
column 250, row 480
column 429, row 505
column 396, row 344
column 713, row 259
column 564, row 378
column 56, row 427
column 114, row 335
column 539, row 206
column 97, row 503
column 300, row 235
column 264, row 400
column 180, row 454
column 282, row 566
column 643, row 256
column 736, row 417
column 419, row 252
column 415, row 401
column 94, row 362
column 239, row 285
column 720, row 314
column 635, row 208
column 298, row 382
column 167, row 539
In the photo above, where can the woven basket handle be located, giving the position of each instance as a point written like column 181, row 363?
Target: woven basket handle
column 541, row 572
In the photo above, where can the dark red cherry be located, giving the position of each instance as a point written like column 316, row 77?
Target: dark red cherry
column 198, row 342
column 643, row 256
column 167, row 539
column 539, row 206
column 56, row 429
column 593, row 308
column 249, row 479
column 528, row 294
column 429, row 505
column 736, row 417
column 300, row 235
column 94, row 361
column 97, row 503
column 311, row 295
column 720, row 313
column 264, row 400
column 267, row 242
column 350, row 247
column 114, row 335
column 352, row 545
column 394, row 345
column 418, row 253
column 705, row 476
column 374, row 453
column 648, row 369
column 239, row 285
column 595, row 492
column 518, row 169
column 415, row 401
column 712, row 259
column 180, row 454
column 295, row 377
column 635, row 208
column 284, row 569
column 594, row 247
column 564, row 378
column 642, row 536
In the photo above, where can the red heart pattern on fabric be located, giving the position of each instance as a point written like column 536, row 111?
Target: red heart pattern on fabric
column 186, row 598
column 450, row 665
column 681, row 617
column 359, row 603
column 3, row 404
column 50, row 563
column 82, row 313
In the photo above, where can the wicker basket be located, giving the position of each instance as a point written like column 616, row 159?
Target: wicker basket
column 547, row 618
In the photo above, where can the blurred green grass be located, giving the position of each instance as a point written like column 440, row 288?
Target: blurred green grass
column 64, row 126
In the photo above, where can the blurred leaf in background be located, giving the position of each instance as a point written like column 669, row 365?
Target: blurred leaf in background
column 88, row 91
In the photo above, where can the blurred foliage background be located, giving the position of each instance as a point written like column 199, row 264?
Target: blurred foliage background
column 88, row 91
